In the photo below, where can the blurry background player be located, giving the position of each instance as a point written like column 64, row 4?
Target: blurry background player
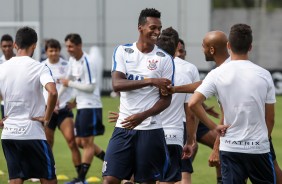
column 62, row 116
column 26, row 150
column 7, row 46
column 204, row 135
column 88, row 123
column 173, row 115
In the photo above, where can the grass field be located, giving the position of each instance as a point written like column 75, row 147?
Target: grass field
column 202, row 172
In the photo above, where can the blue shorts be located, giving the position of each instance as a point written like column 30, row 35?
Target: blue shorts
column 2, row 111
column 89, row 122
column 236, row 167
column 142, row 153
column 201, row 131
column 29, row 159
column 174, row 171
column 57, row 119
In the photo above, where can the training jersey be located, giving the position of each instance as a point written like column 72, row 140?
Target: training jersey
column 59, row 70
column 139, row 66
column 172, row 117
column 21, row 82
column 84, row 71
column 243, row 89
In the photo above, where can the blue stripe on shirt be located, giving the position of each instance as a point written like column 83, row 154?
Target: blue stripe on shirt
column 114, row 59
column 88, row 69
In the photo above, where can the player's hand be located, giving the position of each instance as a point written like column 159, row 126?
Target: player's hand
column 41, row 119
column 64, row 82
column 113, row 117
column 221, row 129
column 214, row 159
column 161, row 83
column 187, row 151
column 132, row 121
column 212, row 112
column 2, row 122
column 71, row 105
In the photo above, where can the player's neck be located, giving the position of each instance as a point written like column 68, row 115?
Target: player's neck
column 79, row 55
column 25, row 52
column 144, row 47
column 239, row 57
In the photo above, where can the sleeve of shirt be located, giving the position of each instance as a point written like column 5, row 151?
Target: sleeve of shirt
column 46, row 75
column 208, row 87
column 89, row 71
column 118, row 63
column 196, row 75
column 270, row 98
column 168, row 69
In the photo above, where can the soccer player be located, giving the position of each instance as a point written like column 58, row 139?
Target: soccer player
column 26, row 150
column 244, row 149
column 138, row 146
column 7, row 50
column 62, row 116
column 173, row 115
column 82, row 78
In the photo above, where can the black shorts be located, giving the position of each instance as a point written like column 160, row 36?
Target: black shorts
column 57, row 119
column 142, row 153
column 201, row 131
column 29, row 159
column 236, row 167
column 89, row 122
column 174, row 172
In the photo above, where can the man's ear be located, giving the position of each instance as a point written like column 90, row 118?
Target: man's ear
column 212, row 50
column 228, row 45
column 34, row 46
column 15, row 46
column 250, row 47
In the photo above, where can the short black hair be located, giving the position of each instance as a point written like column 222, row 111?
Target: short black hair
column 172, row 33
column 52, row 43
column 182, row 42
column 167, row 44
column 148, row 12
column 25, row 37
column 7, row 37
column 240, row 38
column 74, row 38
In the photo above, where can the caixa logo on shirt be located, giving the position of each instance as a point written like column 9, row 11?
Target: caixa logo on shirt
column 134, row 77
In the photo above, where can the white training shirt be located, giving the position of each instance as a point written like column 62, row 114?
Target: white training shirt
column 172, row 117
column 243, row 89
column 84, row 71
column 138, row 66
column 21, row 82
column 59, row 70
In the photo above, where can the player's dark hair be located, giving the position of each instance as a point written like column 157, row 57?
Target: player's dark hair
column 240, row 38
column 25, row 37
column 172, row 33
column 182, row 42
column 52, row 43
column 148, row 12
column 74, row 38
column 7, row 37
column 167, row 44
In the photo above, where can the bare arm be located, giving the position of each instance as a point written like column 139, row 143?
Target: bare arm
column 120, row 82
column 51, row 102
column 187, row 88
column 135, row 119
column 269, row 117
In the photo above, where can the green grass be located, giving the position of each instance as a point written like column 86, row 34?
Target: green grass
column 202, row 172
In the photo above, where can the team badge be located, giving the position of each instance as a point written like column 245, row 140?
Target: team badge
column 152, row 64
column 160, row 54
column 61, row 70
column 129, row 50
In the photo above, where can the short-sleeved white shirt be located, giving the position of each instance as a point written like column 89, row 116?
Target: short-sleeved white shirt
column 59, row 70
column 243, row 89
column 21, row 82
column 138, row 66
column 84, row 71
column 172, row 117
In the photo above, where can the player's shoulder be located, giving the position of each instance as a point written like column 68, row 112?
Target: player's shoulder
column 126, row 48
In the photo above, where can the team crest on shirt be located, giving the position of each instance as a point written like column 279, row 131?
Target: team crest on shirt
column 129, row 50
column 61, row 70
column 152, row 64
column 160, row 54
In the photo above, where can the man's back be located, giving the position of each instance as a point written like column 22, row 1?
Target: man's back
column 21, row 88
